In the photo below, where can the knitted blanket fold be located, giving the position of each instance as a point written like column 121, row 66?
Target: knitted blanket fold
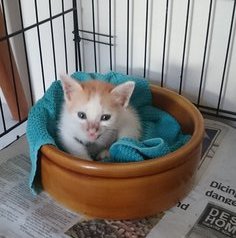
column 161, row 132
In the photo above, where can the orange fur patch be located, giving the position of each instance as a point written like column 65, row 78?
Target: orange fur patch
column 90, row 89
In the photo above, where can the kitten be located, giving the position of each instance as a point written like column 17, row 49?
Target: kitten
column 94, row 115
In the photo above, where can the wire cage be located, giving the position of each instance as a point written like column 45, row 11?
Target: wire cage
column 187, row 46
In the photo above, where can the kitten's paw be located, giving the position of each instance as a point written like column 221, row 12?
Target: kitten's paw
column 85, row 157
column 103, row 155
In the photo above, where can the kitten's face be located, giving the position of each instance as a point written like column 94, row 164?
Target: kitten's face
column 94, row 105
column 94, row 117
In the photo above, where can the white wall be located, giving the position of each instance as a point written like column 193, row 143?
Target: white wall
column 215, row 57
column 219, row 30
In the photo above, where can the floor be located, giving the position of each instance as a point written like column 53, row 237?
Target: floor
column 7, row 139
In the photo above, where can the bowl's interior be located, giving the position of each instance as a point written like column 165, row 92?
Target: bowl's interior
column 179, row 107
column 186, row 114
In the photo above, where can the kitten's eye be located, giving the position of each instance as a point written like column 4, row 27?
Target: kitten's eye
column 105, row 117
column 81, row 115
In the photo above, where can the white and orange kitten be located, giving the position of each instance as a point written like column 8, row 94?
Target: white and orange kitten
column 94, row 115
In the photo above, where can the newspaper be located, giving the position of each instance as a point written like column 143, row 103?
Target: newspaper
column 208, row 211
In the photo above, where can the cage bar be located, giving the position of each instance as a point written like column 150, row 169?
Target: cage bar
column 64, row 35
column 184, row 48
column 127, row 37
column 94, row 38
column 164, row 44
column 226, row 58
column 110, row 36
column 52, row 36
column 205, row 53
column 146, row 35
column 26, row 55
column 40, row 45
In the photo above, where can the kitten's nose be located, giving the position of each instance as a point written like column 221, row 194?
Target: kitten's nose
column 93, row 127
column 92, row 131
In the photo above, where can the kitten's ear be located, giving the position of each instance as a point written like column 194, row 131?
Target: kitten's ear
column 69, row 86
column 123, row 92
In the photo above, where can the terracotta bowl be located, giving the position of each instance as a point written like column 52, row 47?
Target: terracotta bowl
column 128, row 190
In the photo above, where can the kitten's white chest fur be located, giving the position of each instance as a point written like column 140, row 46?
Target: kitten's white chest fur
column 94, row 115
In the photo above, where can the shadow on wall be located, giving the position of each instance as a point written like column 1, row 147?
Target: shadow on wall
column 191, row 88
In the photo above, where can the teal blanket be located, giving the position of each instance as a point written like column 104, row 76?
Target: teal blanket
column 161, row 132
